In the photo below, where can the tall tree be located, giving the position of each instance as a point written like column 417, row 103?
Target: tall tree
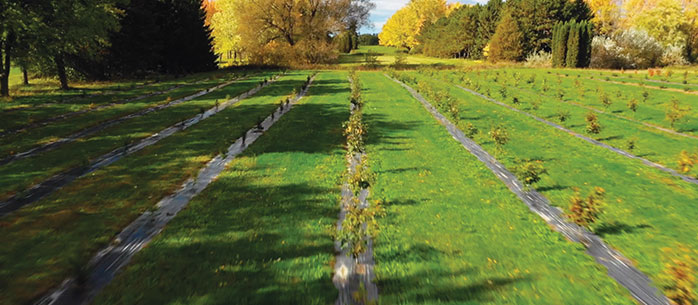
column 162, row 36
column 13, row 19
column 607, row 15
column 402, row 29
column 274, row 31
column 561, row 33
column 573, row 45
column 537, row 18
column 488, row 18
column 507, row 42
column 73, row 27
column 224, row 25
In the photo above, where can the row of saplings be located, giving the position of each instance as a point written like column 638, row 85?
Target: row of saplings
column 675, row 112
column 584, row 211
column 360, row 222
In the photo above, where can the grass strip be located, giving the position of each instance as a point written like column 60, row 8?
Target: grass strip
column 23, row 141
column 87, row 213
column 260, row 233
column 21, row 174
column 649, row 143
column 454, row 234
column 40, row 105
column 646, row 210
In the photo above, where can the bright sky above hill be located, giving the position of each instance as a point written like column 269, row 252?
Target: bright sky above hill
column 386, row 8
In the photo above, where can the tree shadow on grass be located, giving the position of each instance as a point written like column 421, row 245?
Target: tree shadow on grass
column 428, row 287
column 609, row 138
column 383, row 131
column 616, row 228
column 433, row 283
column 555, row 187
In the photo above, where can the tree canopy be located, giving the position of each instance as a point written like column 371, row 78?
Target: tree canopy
column 402, row 29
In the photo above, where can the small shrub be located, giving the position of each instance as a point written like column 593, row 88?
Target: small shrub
column 563, row 115
column 503, row 92
column 530, row 172
column 470, row 130
column 500, row 136
column 687, row 161
column 586, row 211
column 678, row 278
column 605, row 100
column 540, row 59
column 516, row 101
column 593, row 126
column 630, row 145
column 632, row 105
column 675, row 112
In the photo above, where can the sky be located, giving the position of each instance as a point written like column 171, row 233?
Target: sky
column 386, row 8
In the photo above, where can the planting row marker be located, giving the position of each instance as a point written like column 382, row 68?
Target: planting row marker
column 618, row 266
column 110, row 260
column 50, row 185
column 585, row 138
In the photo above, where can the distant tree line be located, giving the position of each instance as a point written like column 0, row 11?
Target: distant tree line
column 368, row 39
column 603, row 33
column 101, row 39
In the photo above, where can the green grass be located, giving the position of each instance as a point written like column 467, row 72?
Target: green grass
column 646, row 209
column 15, row 76
column 642, row 77
column 23, row 173
column 36, row 136
column 453, row 233
column 386, row 56
column 259, row 233
column 46, row 91
column 49, row 240
column 29, row 113
column 652, row 111
column 620, row 125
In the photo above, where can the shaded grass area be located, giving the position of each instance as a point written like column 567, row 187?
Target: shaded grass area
column 23, row 173
column 259, row 233
column 29, row 113
column 53, row 238
column 649, row 143
column 28, row 139
column 454, row 234
column 645, row 210
column 45, row 93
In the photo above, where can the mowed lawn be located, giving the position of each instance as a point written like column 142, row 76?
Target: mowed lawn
column 619, row 124
column 53, row 238
column 454, row 234
column 23, row 173
column 385, row 56
column 645, row 209
column 39, row 106
column 261, row 233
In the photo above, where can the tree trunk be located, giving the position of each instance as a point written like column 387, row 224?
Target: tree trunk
column 5, row 69
column 25, row 75
column 60, row 68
